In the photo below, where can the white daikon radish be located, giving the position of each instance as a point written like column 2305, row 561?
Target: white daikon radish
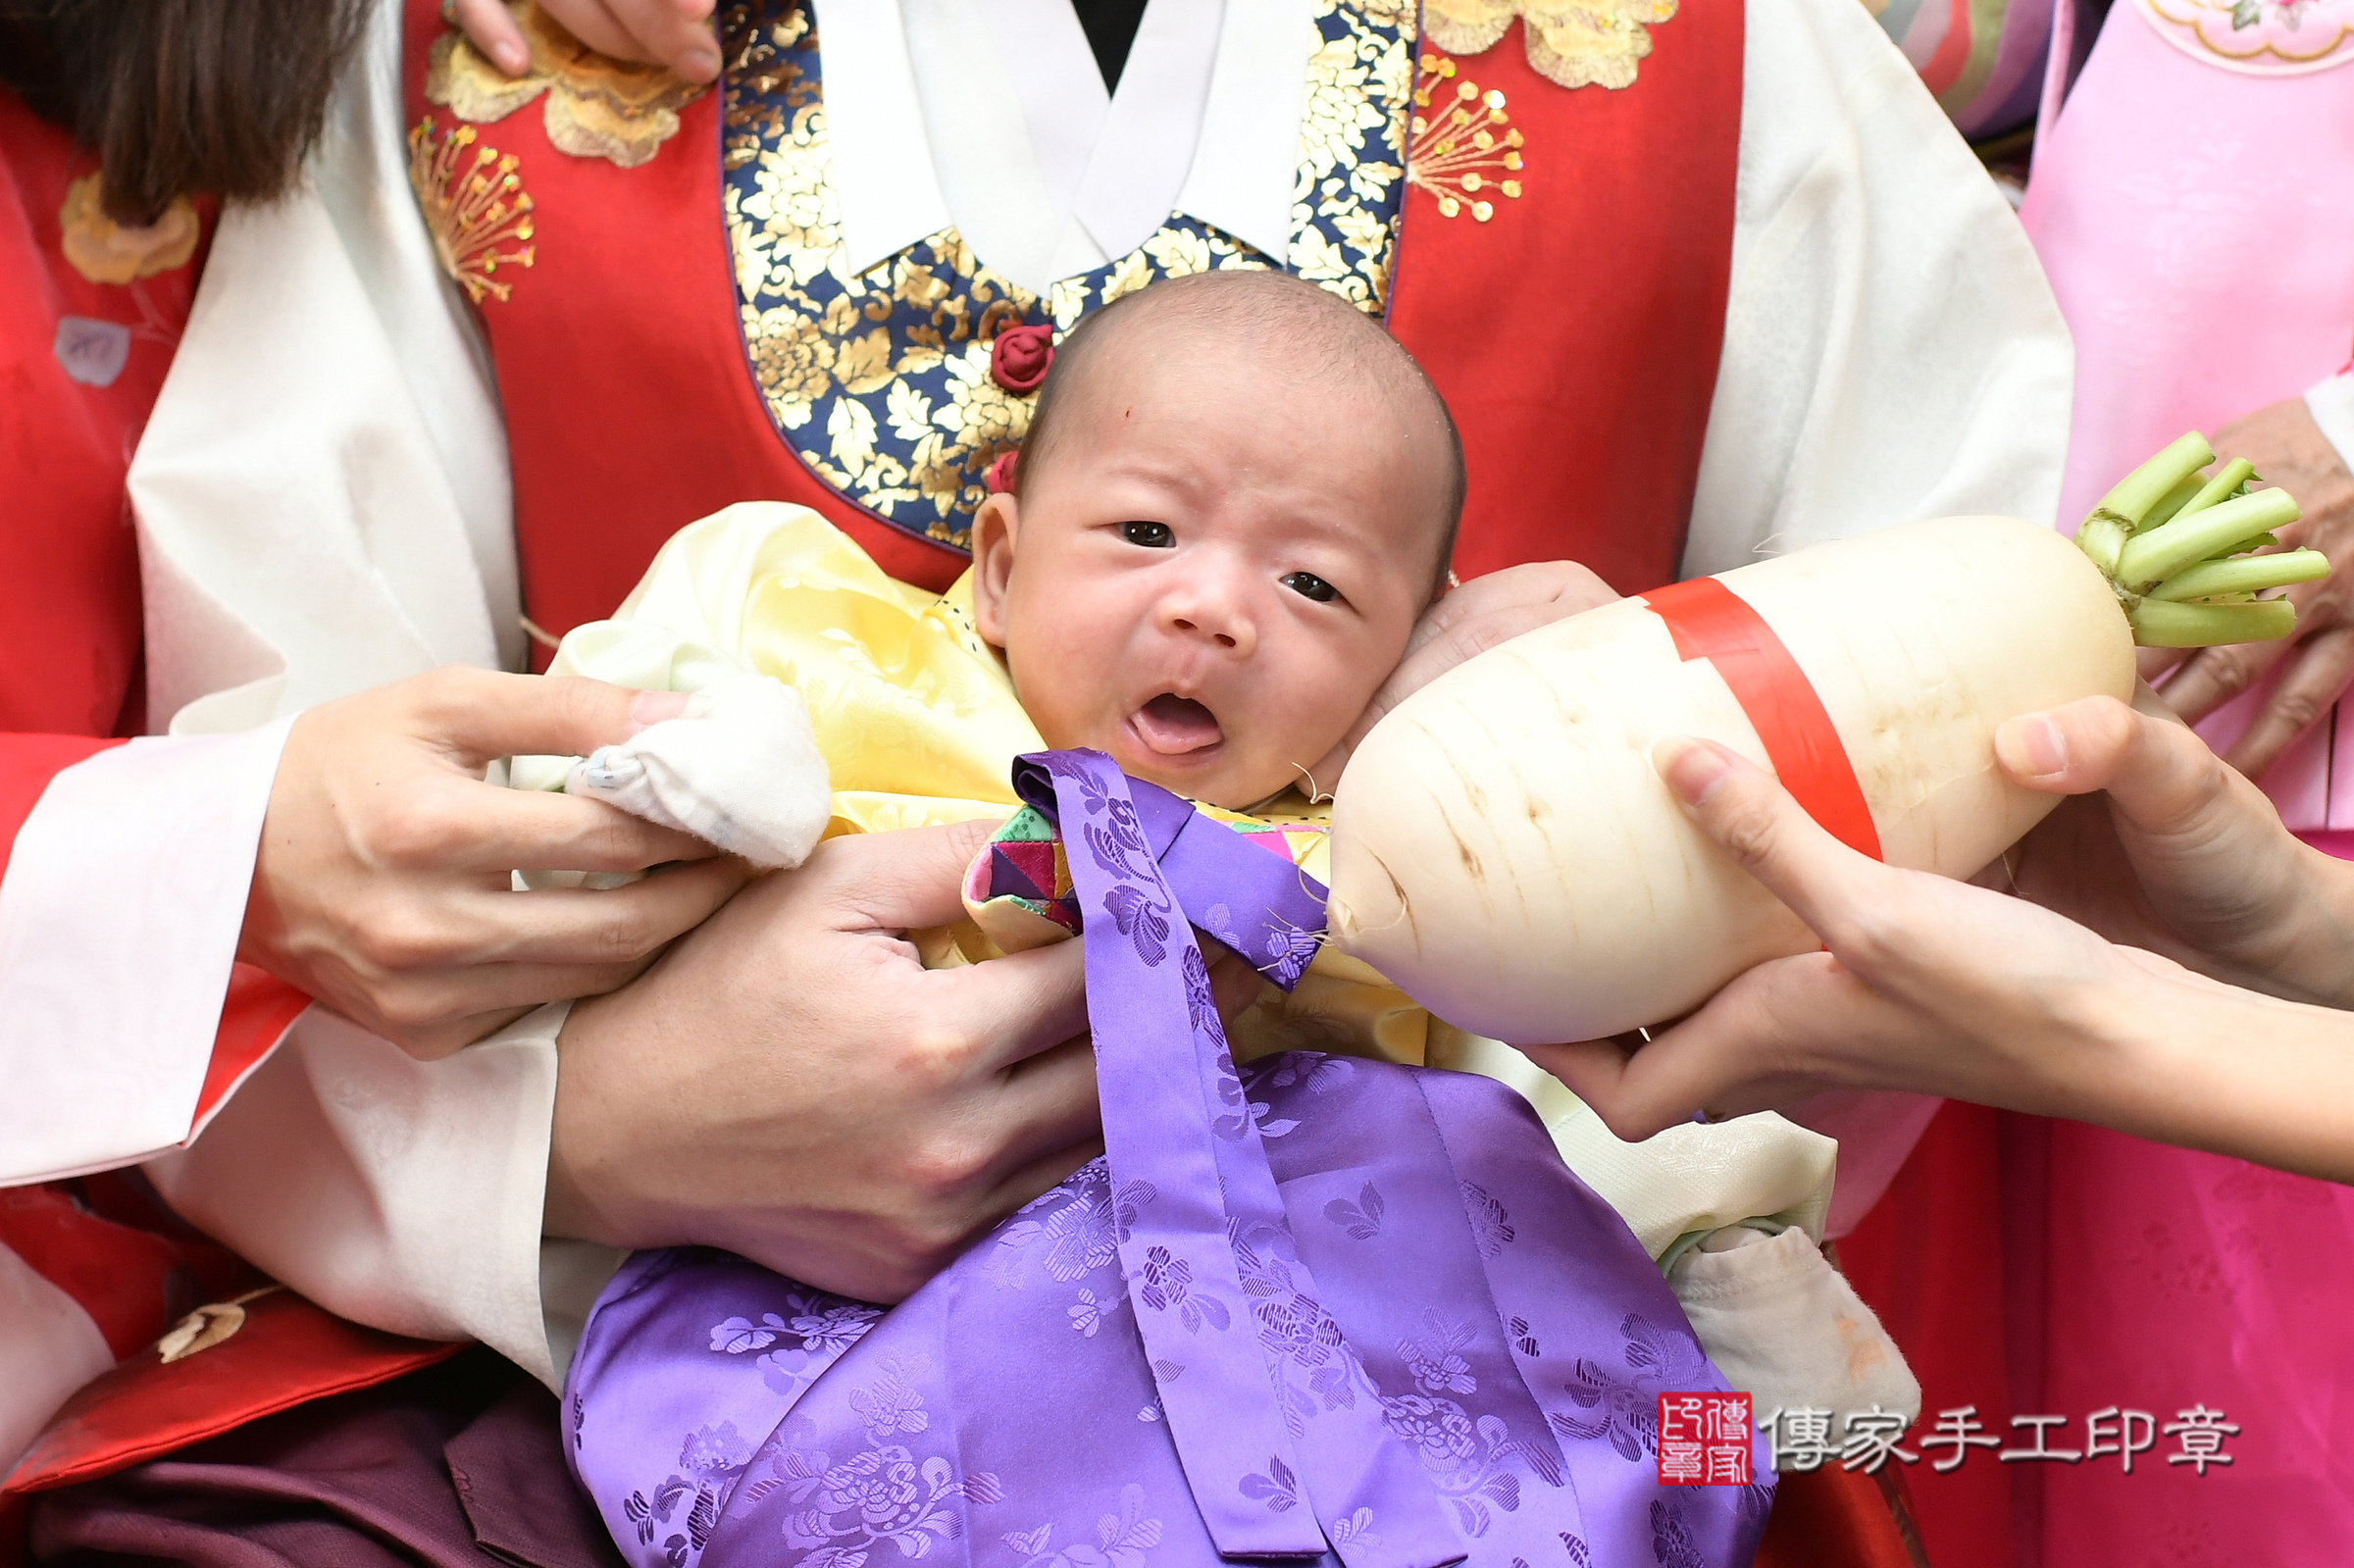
column 1503, row 849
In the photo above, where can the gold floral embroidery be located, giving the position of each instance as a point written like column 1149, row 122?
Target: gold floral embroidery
column 107, row 252
column 1575, row 42
column 1344, row 209
column 479, row 213
column 1457, row 153
column 597, row 107
column 880, row 379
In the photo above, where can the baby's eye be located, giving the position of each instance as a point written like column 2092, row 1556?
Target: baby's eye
column 1310, row 585
column 1152, row 535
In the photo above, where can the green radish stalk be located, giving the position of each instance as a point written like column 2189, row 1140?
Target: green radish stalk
column 2175, row 542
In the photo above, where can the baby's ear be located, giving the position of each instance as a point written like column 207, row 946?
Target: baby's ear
column 994, row 528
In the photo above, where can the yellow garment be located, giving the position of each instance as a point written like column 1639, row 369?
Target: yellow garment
column 918, row 722
column 914, row 714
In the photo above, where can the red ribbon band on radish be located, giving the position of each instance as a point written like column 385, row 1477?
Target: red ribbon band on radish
column 1710, row 621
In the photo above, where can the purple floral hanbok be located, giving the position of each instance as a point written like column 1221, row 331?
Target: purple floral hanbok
column 1323, row 1309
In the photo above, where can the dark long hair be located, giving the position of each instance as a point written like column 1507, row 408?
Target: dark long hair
column 183, row 97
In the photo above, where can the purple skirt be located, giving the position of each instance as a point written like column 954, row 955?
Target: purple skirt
column 1375, row 1322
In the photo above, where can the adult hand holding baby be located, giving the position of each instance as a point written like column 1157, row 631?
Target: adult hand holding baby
column 383, row 883
column 793, row 1084
column 1939, row 987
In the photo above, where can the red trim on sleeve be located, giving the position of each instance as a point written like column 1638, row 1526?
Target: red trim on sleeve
column 254, row 1017
column 26, row 765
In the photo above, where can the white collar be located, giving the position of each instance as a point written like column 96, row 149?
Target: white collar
column 1206, row 122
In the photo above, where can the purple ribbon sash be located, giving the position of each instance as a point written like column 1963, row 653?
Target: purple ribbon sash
column 1183, row 1146
column 1376, row 1322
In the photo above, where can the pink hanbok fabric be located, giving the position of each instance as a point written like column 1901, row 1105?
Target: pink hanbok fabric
column 2193, row 202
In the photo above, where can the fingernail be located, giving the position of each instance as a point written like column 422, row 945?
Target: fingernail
column 652, row 707
column 512, row 58
column 702, row 64
column 2036, row 748
column 1690, row 767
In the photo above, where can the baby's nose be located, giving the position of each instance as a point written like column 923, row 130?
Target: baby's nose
column 1221, row 620
column 1224, row 640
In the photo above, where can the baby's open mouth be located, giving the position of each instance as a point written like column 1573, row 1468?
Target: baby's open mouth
column 1173, row 726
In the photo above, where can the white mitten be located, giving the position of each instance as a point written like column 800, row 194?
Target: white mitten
column 1787, row 1329
column 740, row 769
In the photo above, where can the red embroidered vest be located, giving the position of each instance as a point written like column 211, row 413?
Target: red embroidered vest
column 1575, row 330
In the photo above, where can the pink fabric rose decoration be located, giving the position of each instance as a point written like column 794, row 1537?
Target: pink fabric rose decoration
column 1019, row 357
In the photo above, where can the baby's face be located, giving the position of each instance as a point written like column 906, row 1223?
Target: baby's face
column 1215, row 569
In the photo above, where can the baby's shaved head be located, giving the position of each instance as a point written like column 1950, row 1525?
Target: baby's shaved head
column 1314, row 336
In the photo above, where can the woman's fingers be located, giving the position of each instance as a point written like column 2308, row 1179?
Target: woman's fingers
column 489, row 829
column 1037, row 1178
column 676, row 33
column 2160, row 776
column 1595, row 1071
column 2317, row 672
column 1014, row 1008
column 2212, row 677
column 594, row 925
column 1769, row 834
column 1788, row 1028
column 1046, row 1104
column 381, row 878
column 491, row 29
column 482, row 714
column 2072, row 749
column 1525, row 596
column 904, row 881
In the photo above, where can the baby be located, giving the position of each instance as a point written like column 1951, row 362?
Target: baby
column 1237, row 496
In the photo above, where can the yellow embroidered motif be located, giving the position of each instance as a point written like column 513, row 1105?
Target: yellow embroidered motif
column 1575, row 42
column 107, row 252
column 1458, row 151
column 597, row 107
column 479, row 213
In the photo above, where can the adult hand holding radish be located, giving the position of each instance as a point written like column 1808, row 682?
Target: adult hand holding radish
column 1503, row 849
column 1940, row 986
column 2288, row 450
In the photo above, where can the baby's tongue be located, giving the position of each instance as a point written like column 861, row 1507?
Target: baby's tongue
column 1173, row 726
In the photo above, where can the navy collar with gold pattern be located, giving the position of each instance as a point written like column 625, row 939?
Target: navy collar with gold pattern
column 880, row 381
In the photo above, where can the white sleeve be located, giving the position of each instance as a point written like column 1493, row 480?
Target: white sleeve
column 119, row 907
column 400, row 1193
column 322, row 492
column 323, row 506
column 1891, row 348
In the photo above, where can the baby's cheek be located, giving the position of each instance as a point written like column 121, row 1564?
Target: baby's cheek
column 1307, row 711
column 1058, row 663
